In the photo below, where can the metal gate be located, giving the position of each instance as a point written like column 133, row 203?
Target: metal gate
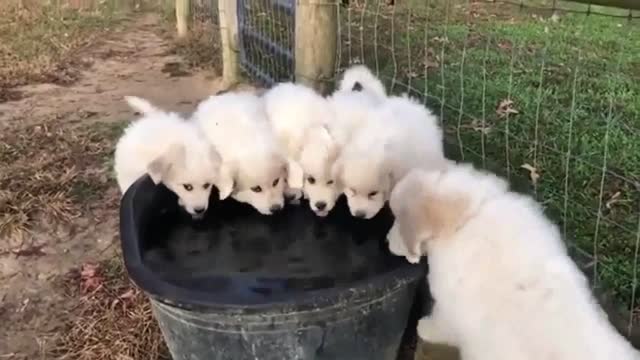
column 266, row 39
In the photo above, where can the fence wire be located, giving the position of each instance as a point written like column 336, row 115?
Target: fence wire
column 541, row 90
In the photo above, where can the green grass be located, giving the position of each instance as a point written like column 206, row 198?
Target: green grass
column 575, row 84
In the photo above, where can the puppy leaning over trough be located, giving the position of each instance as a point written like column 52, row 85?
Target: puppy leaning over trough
column 172, row 151
column 359, row 91
column 400, row 135
column 299, row 117
column 253, row 169
column 503, row 283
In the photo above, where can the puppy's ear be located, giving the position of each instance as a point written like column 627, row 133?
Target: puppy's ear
column 443, row 214
column 159, row 168
column 329, row 141
column 226, row 180
column 215, row 156
column 295, row 174
column 336, row 171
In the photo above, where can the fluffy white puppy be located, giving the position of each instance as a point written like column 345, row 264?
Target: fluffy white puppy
column 348, row 109
column 503, row 283
column 253, row 167
column 359, row 78
column 401, row 135
column 299, row 117
column 172, row 151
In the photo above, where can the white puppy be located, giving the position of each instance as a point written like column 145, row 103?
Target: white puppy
column 253, row 165
column 503, row 283
column 348, row 109
column 172, row 151
column 400, row 135
column 299, row 117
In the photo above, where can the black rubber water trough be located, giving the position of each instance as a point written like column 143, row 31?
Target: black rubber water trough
column 239, row 285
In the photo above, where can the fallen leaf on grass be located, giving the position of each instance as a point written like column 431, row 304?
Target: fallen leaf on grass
column 506, row 108
column 476, row 125
column 504, row 45
column 533, row 173
column 613, row 199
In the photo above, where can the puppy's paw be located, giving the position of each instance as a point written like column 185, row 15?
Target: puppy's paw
column 431, row 330
column 413, row 259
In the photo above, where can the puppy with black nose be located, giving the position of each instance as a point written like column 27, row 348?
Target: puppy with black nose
column 254, row 169
column 401, row 134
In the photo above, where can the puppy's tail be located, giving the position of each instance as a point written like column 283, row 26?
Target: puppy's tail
column 360, row 78
column 141, row 105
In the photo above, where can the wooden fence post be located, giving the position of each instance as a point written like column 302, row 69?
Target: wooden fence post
column 183, row 8
column 228, row 15
column 316, row 42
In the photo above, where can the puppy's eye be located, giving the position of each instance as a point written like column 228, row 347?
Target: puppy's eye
column 206, row 186
column 311, row 180
column 275, row 182
column 330, row 182
column 188, row 187
column 372, row 194
column 256, row 189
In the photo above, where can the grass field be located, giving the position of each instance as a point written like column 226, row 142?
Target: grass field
column 555, row 99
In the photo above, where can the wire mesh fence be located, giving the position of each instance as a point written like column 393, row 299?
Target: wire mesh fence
column 266, row 39
column 543, row 90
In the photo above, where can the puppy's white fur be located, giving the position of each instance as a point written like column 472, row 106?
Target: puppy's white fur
column 171, row 151
column 298, row 116
column 503, row 283
column 359, row 76
column 350, row 109
column 401, row 134
column 253, row 166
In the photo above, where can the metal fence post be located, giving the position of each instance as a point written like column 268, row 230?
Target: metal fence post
column 316, row 23
column 228, row 13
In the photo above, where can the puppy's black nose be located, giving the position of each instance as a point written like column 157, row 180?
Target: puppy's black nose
column 321, row 205
column 360, row 214
column 199, row 210
column 289, row 197
column 275, row 208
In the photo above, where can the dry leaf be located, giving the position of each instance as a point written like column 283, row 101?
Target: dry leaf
column 35, row 250
column 90, row 278
column 506, row 108
column 533, row 173
column 614, row 199
column 504, row 45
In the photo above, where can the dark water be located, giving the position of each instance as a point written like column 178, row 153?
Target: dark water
column 237, row 250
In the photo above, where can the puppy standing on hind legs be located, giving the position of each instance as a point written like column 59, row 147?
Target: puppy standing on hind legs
column 503, row 283
column 172, row 151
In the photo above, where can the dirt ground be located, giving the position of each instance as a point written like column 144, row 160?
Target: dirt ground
column 134, row 61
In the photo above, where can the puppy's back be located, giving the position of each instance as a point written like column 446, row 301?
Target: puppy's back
column 292, row 110
column 234, row 123
column 146, row 139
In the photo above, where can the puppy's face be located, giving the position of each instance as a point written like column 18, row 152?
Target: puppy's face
column 190, row 174
column 262, row 185
column 366, row 185
column 430, row 207
column 317, row 159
